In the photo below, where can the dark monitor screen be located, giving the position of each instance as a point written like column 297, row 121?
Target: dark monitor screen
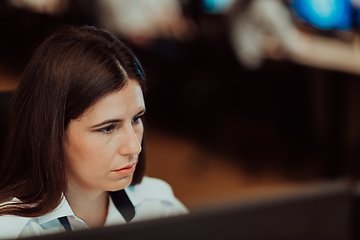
column 317, row 214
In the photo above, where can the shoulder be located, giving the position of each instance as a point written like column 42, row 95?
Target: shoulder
column 11, row 226
column 154, row 198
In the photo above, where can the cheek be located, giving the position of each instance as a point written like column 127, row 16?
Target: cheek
column 76, row 147
column 85, row 152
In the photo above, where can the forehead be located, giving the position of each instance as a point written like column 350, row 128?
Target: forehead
column 128, row 100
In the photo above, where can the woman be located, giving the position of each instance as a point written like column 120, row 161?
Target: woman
column 74, row 157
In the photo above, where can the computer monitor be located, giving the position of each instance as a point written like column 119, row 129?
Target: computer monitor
column 317, row 214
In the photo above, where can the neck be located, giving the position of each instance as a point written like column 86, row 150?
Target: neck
column 90, row 206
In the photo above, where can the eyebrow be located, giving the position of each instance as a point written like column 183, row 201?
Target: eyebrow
column 140, row 113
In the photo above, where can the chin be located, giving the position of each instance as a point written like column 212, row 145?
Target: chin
column 121, row 184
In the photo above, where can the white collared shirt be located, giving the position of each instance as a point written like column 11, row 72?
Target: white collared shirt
column 152, row 198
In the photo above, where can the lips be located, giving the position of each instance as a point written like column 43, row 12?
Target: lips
column 130, row 168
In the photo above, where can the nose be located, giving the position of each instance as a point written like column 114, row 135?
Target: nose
column 130, row 145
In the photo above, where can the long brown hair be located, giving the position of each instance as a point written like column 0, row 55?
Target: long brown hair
column 70, row 71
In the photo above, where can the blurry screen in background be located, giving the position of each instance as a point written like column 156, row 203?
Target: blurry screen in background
column 331, row 18
column 325, row 14
column 216, row 6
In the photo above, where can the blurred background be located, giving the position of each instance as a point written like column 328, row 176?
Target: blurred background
column 246, row 99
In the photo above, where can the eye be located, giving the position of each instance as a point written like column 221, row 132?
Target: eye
column 107, row 129
column 136, row 120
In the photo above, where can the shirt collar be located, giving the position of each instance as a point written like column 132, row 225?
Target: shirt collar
column 63, row 210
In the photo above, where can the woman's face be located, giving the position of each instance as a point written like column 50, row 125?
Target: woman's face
column 102, row 146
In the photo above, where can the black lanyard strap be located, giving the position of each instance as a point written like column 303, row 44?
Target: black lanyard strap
column 65, row 223
column 123, row 204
